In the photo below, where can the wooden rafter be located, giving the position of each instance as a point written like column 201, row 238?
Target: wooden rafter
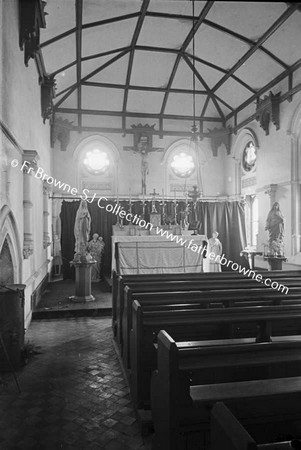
column 266, row 88
column 220, row 28
column 131, row 58
column 91, row 129
column 79, row 22
column 149, row 48
column 87, row 58
column 58, row 37
column 115, row 19
column 183, row 48
column 180, row 53
column 91, row 74
column 260, row 41
column 205, row 105
column 142, row 88
column 88, row 25
column 210, row 93
column 246, row 41
column 96, row 112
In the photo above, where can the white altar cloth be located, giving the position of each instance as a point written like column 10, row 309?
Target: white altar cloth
column 155, row 254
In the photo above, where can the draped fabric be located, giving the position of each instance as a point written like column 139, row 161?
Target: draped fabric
column 101, row 223
column 228, row 219
column 225, row 217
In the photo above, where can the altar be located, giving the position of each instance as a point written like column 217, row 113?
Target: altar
column 157, row 254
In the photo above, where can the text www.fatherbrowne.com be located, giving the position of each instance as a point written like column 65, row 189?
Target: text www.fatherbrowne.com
column 222, row 260
column 40, row 174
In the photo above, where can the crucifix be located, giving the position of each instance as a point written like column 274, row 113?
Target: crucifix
column 154, row 194
column 176, row 205
column 194, row 195
column 162, row 204
column 130, row 202
column 143, row 145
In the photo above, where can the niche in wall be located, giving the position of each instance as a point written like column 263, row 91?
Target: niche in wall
column 6, row 265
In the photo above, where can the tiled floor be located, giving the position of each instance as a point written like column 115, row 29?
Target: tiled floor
column 73, row 395
column 56, row 301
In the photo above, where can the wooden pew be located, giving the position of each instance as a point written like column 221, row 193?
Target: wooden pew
column 225, row 298
column 179, row 406
column 119, row 281
column 227, row 433
column 184, row 285
column 199, row 324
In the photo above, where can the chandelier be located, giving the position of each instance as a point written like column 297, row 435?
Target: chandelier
column 194, row 129
column 194, row 136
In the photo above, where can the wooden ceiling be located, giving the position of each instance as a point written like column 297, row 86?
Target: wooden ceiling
column 121, row 62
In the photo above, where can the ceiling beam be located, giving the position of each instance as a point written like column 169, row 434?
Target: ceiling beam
column 58, row 37
column 149, row 48
column 260, row 41
column 115, row 19
column 62, row 69
column 107, row 53
column 266, row 88
column 87, row 58
column 131, row 58
column 217, row 27
column 142, row 88
column 183, row 48
column 91, row 74
column 211, row 95
column 79, row 22
column 91, row 129
column 246, row 41
column 95, row 112
column 221, row 69
column 88, row 25
column 205, row 105
column 283, row 97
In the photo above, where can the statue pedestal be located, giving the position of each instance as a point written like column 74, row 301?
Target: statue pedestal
column 83, row 279
column 275, row 262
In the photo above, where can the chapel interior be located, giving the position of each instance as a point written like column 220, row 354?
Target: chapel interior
column 137, row 137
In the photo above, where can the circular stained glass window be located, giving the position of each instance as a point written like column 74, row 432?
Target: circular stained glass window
column 249, row 157
column 182, row 165
column 96, row 161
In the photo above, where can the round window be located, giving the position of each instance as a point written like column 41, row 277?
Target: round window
column 182, row 165
column 249, row 157
column 96, row 161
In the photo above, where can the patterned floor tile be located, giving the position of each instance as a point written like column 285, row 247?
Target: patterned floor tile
column 73, row 394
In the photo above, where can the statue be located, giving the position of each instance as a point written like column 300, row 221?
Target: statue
column 275, row 227
column 96, row 249
column 82, row 228
column 215, row 246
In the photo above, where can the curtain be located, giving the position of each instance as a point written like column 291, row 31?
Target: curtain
column 227, row 218
column 101, row 223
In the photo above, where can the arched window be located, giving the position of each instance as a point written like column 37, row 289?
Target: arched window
column 97, row 165
column 182, row 168
column 96, row 161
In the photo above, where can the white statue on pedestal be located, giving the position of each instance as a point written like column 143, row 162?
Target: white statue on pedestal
column 82, row 228
column 96, row 249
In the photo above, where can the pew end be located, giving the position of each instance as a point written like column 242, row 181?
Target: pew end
column 227, row 433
